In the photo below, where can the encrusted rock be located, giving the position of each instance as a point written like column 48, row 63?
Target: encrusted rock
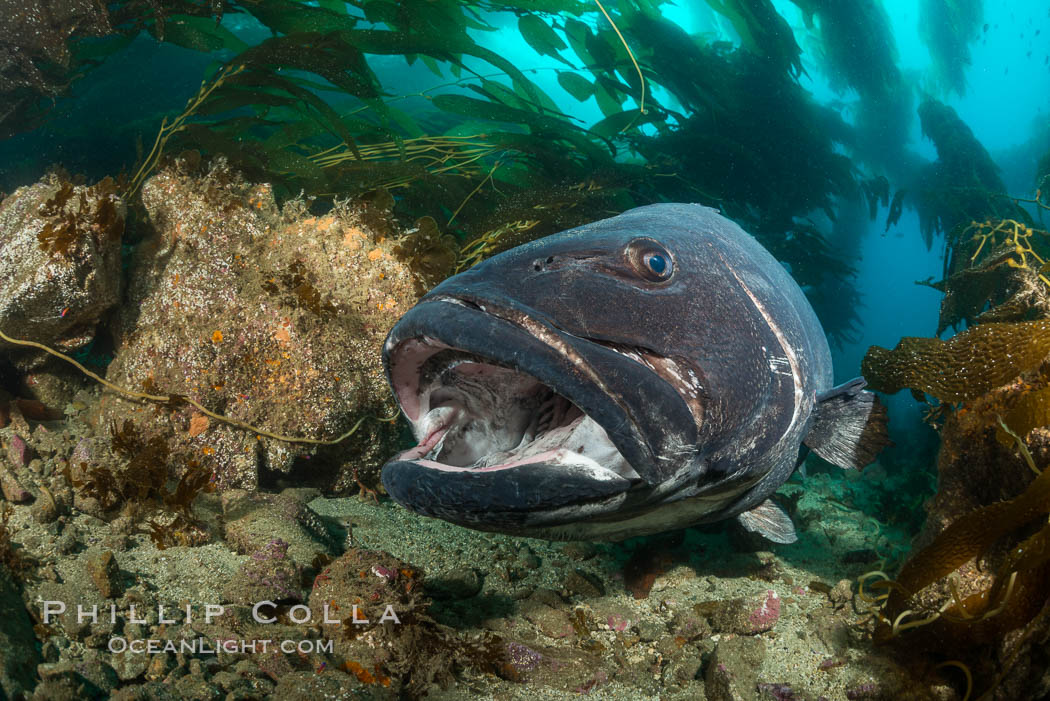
column 45, row 509
column 273, row 319
column 545, row 610
column 460, row 583
column 58, row 682
column 733, row 670
column 333, row 684
column 12, row 490
column 268, row 575
column 581, row 583
column 196, row 688
column 580, row 550
column 104, row 573
column 842, row 593
column 94, row 672
column 650, row 629
column 129, row 664
column 743, row 616
column 375, row 612
column 18, row 452
column 684, row 667
column 371, row 580
column 550, row 621
column 690, row 626
column 59, row 260
column 255, row 520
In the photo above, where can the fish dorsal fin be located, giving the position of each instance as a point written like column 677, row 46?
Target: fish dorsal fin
column 769, row 520
column 849, row 425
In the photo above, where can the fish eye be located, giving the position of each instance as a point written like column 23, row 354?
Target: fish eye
column 650, row 260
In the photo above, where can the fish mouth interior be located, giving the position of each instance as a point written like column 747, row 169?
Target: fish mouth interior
column 471, row 413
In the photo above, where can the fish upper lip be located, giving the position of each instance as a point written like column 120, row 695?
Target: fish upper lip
column 689, row 390
column 558, row 341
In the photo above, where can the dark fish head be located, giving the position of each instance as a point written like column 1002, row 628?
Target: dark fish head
column 557, row 382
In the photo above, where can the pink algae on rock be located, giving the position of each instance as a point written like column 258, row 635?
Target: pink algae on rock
column 765, row 616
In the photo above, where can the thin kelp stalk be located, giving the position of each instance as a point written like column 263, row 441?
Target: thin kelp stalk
column 176, row 399
column 473, row 192
column 634, row 61
column 435, row 154
column 167, row 130
column 966, row 672
column 1025, row 453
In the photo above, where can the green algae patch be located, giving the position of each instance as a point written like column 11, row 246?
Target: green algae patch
column 963, row 367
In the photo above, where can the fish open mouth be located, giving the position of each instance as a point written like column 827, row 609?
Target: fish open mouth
column 471, row 414
column 514, row 421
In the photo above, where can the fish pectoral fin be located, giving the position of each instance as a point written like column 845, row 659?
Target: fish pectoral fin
column 849, row 425
column 769, row 520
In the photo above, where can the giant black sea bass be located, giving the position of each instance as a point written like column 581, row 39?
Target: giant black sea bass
column 643, row 373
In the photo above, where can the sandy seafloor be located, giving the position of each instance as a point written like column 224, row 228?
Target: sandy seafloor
column 814, row 627
column 570, row 603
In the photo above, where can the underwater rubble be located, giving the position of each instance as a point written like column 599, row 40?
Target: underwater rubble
column 480, row 616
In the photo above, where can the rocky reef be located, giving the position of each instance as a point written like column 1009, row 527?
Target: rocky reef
column 270, row 316
column 59, row 260
column 371, row 601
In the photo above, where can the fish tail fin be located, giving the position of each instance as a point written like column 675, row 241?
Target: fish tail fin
column 849, row 425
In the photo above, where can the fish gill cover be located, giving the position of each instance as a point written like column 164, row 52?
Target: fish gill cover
column 308, row 123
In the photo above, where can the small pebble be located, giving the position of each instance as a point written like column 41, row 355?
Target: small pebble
column 104, row 573
column 18, row 452
column 580, row 583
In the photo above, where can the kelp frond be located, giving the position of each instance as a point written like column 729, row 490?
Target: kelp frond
column 1016, row 594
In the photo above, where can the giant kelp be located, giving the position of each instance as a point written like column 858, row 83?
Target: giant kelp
column 994, row 271
column 858, row 52
column 516, row 167
column 858, row 44
column 970, row 629
column 963, row 367
column 753, row 142
column 46, row 44
column 281, row 114
column 763, row 32
column 963, row 184
column 947, row 27
column 974, row 594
